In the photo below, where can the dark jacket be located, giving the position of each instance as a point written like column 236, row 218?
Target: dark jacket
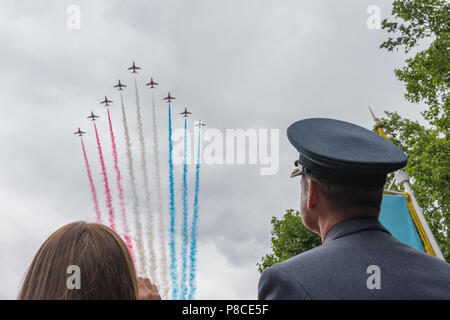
column 338, row 269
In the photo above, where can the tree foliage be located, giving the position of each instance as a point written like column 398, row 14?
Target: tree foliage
column 426, row 77
column 429, row 165
column 290, row 237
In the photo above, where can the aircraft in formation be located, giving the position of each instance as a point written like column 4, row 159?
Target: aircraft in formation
column 120, row 86
column 92, row 116
column 185, row 113
column 79, row 132
column 169, row 98
column 152, row 83
column 134, row 68
column 200, row 124
column 106, row 102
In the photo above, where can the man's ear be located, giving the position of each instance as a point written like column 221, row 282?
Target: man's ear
column 313, row 194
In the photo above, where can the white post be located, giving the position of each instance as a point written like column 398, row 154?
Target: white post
column 402, row 178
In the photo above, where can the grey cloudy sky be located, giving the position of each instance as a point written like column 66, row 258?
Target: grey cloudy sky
column 234, row 64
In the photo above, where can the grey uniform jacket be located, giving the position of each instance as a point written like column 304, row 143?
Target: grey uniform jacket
column 338, row 269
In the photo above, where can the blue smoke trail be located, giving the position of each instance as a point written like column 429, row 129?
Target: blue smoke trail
column 184, row 248
column 193, row 248
column 173, row 261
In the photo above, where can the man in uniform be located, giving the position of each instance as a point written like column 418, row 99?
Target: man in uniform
column 343, row 169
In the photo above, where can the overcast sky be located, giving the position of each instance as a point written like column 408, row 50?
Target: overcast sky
column 234, row 64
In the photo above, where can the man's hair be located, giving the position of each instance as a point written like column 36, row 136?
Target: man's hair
column 106, row 266
column 343, row 199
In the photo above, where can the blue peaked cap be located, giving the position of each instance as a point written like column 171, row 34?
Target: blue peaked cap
column 344, row 154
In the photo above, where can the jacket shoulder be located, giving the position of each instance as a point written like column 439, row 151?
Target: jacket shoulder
column 279, row 282
column 276, row 284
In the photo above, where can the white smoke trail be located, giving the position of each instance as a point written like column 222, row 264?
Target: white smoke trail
column 152, row 256
column 162, row 227
column 137, row 216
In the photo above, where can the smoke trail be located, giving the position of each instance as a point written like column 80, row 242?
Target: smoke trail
column 192, row 284
column 137, row 217
column 162, row 231
column 105, row 180
column 185, row 221
column 173, row 261
column 98, row 214
column 152, row 257
column 126, row 234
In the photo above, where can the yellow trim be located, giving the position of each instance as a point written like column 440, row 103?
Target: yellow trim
column 378, row 125
column 412, row 211
column 381, row 131
column 422, row 234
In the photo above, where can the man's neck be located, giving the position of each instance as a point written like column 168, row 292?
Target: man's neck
column 325, row 225
column 331, row 219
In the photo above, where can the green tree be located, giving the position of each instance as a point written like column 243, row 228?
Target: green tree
column 426, row 76
column 429, row 165
column 290, row 237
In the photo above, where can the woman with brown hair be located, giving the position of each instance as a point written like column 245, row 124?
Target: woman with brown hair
column 84, row 261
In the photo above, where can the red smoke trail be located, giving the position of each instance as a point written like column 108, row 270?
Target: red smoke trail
column 91, row 182
column 105, row 180
column 119, row 187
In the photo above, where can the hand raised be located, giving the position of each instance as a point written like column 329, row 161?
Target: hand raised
column 147, row 290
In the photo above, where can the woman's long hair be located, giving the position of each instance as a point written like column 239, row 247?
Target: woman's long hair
column 100, row 256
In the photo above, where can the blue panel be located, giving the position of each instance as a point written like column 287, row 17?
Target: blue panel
column 396, row 218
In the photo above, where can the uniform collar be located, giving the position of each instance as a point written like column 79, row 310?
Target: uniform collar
column 347, row 227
